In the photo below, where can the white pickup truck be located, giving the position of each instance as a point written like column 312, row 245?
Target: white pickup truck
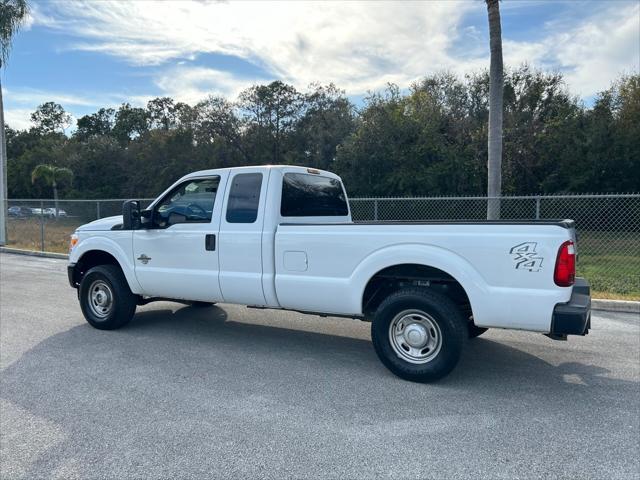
column 282, row 237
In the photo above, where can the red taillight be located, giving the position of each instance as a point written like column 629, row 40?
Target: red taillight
column 565, row 273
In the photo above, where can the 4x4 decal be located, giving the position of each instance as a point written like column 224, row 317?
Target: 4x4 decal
column 525, row 257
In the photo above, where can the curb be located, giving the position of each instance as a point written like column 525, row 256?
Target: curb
column 33, row 253
column 622, row 306
column 619, row 306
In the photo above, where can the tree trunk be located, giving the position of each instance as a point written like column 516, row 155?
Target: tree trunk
column 496, row 87
column 3, row 172
column 55, row 196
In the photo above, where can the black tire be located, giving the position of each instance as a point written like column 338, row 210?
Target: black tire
column 437, row 309
column 202, row 304
column 475, row 331
column 122, row 305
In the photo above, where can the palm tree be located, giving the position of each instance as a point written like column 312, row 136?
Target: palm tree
column 496, row 87
column 12, row 14
column 52, row 176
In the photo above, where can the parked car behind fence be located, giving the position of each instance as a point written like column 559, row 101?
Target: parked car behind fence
column 19, row 212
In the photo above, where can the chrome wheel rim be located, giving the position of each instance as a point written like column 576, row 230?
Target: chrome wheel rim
column 415, row 336
column 100, row 299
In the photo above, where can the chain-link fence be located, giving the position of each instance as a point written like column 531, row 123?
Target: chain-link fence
column 36, row 225
column 608, row 226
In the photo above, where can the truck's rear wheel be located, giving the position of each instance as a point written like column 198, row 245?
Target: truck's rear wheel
column 105, row 298
column 418, row 334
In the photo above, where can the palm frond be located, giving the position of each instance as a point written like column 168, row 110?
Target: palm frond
column 43, row 172
column 12, row 14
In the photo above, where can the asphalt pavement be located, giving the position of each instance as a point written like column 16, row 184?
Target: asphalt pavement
column 226, row 391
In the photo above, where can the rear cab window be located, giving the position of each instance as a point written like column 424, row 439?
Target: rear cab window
column 244, row 198
column 310, row 195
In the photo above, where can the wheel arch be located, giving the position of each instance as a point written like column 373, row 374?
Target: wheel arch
column 99, row 251
column 422, row 266
column 395, row 277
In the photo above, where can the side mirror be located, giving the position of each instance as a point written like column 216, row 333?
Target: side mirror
column 131, row 215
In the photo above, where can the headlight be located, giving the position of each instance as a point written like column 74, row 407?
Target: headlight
column 73, row 241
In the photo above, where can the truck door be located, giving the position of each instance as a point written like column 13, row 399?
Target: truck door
column 241, row 237
column 177, row 256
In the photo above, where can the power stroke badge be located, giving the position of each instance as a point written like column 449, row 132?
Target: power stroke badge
column 525, row 257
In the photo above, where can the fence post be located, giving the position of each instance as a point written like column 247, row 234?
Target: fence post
column 98, row 210
column 42, row 225
column 537, row 208
column 375, row 210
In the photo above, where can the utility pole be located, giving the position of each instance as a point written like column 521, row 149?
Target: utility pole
column 3, row 173
column 496, row 90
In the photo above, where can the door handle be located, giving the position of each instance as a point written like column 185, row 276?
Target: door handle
column 210, row 242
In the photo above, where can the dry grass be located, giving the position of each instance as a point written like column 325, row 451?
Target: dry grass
column 28, row 233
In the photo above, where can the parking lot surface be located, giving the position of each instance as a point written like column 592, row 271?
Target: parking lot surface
column 231, row 392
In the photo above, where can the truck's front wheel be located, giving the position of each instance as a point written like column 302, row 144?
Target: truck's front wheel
column 105, row 298
column 418, row 334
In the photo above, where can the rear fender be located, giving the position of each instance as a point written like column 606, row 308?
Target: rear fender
column 447, row 261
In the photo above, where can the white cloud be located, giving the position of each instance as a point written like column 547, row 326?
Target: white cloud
column 590, row 54
column 359, row 46
column 28, row 22
column 190, row 84
column 18, row 118
column 599, row 51
column 36, row 97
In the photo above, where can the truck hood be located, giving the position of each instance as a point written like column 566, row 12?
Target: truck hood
column 102, row 224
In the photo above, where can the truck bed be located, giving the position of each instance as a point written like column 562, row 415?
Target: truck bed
column 325, row 266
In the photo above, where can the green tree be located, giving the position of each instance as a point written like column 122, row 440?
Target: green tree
column 130, row 123
column 50, row 117
column 13, row 13
column 162, row 112
column 372, row 159
column 612, row 131
column 413, row 145
column 52, row 176
column 97, row 124
column 327, row 120
column 25, row 150
column 217, row 120
column 270, row 113
column 93, row 160
column 428, row 140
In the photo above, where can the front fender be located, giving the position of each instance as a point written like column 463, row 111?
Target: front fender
column 427, row 255
column 117, row 247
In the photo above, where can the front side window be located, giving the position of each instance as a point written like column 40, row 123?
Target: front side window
column 190, row 202
column 307, row 195
column 244, row 198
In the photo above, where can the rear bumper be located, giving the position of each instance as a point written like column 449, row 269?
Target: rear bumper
column 573, row 317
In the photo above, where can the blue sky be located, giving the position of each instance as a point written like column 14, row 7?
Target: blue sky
column 87, row 54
